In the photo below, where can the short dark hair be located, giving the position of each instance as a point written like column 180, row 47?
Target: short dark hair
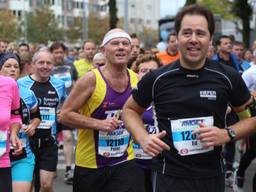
column 195, row 10
column 3, row 40
column 238, row 43
column 23, row 44
column 89, row 41
column 57, row 45
column 142, row 58
column 133, row 36
column 172, row 33
column 222, row 37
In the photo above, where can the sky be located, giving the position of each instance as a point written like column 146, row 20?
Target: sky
column 170, row 7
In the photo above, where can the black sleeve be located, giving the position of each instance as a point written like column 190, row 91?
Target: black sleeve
column 240, row 93
column 142, row 94
column 73, row 72
column 36, row 114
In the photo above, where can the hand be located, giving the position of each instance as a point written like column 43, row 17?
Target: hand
column 253, row 93
column 211, row 136
column 16, row 144
column 108, row 125
column 29, row 130
column 153, row 145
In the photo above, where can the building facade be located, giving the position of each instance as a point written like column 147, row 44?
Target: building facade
column 141, row 13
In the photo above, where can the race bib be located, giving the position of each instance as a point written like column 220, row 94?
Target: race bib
column 113, row 144
column 184, row 141
column 48, row 116
column 22, row 135
column 3, row 140
column 138, row 151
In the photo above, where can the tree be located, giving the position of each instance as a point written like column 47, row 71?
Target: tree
column 219, row 7
column 75, row 32
column 97, row 27
column 149, row 37
column 243, row 10
column 190, row 2
column 8, row 26
column 42, row 26
column 112, row 14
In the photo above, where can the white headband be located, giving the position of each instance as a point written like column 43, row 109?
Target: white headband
column 114, row 35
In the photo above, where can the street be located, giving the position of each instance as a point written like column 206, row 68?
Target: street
column 60, row 186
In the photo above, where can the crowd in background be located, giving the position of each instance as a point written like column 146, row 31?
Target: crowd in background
column 70, row 63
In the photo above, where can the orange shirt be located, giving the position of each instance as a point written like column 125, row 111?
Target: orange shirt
column 166, row 58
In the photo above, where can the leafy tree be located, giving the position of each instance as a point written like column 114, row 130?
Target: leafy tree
column 219, row 7
column 149, row 37
column 190, row 2
column 42, row 26
column 97, row 27
column 8, row 26
column 243, row 10
column 75, row 32
column 112, row 14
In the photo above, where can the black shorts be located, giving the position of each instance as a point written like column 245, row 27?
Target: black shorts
column 47, row 157
column 5, row 179
column 124, row 177
column 167, row 183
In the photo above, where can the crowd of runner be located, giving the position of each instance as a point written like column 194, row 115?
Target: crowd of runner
column 146, row 120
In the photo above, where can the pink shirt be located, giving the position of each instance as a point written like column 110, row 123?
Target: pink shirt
column 9, row 100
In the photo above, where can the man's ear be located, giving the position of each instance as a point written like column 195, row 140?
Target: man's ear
column 102, row 49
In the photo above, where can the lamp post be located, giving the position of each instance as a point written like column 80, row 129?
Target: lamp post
column 85, row 21
column 126, row 15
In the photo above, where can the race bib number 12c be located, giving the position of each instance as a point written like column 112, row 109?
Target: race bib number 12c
column 184, row 141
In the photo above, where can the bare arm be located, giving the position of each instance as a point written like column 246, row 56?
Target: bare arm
column 151, row 144
column 31, row 128
column 15, row 141
column 79, row 95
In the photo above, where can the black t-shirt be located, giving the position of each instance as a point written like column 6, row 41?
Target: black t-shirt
column 177, row 93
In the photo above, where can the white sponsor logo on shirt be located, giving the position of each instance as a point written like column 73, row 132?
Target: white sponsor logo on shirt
column 210, row 94
column 51, row 92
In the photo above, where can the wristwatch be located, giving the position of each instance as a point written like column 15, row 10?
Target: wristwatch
column 231, row 133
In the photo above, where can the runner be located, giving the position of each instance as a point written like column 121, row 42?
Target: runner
column 143, row 64
column 50, row 93
column 187, row 97
column 10, row 123
column 22, row 180
column 104, row 154
column 83, row 65
column 66, row 73
column 171, row 53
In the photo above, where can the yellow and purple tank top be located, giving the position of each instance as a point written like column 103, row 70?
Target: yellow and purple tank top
column 97, row 149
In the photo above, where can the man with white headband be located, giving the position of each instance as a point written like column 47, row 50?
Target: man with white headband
column 104, row 154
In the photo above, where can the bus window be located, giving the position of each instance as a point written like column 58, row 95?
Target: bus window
column 166, row 25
